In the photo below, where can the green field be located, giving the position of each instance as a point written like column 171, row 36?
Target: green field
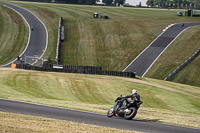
column 163, row 101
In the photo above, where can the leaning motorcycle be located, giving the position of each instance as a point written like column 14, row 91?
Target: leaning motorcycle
column 124, row 108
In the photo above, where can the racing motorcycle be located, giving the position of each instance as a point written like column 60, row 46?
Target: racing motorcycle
column 124, row 108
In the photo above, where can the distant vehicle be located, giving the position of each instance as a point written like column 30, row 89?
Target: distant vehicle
column 179, row 14
column 128, row 110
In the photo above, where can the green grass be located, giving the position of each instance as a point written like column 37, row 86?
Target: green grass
column 163, row 101
column 189, row 74
column 13, row 35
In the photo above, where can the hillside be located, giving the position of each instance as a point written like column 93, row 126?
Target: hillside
column 115, row 42
column 163, row 101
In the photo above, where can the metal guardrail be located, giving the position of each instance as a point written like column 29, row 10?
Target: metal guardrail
column 61, row 37
column 182, row 65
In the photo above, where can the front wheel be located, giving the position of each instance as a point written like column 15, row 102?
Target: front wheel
column 130, row 113
column 110, row 112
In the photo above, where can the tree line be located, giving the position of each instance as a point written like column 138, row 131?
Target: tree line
column 84, row 2
column 173, row 3
column 92, row 2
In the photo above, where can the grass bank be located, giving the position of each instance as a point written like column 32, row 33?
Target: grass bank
column 13, row 35
column 189, row 74
column 163, row 101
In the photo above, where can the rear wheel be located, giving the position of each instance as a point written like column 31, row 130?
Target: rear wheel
column 130, row 114
column 110, row 112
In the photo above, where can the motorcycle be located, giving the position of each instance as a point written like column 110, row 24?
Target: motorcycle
column 124, row 108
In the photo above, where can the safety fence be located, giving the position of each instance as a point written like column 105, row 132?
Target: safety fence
column 61, row 37
column 182, row 65
column 76, row 69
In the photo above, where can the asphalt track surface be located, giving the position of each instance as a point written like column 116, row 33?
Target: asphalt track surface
column 38, row 37
column 142, row 63
column 90, row 118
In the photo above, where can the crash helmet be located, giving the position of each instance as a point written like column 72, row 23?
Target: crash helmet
column 134, row 91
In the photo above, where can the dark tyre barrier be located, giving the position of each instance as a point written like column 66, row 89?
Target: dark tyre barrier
column 76, row 69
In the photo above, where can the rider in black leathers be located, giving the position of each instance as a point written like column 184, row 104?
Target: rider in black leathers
column 134, row 97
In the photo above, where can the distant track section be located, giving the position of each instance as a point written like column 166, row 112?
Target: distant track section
column 143, row 62
column 38, row 36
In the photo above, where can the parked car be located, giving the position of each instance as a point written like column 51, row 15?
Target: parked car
column 179, row 14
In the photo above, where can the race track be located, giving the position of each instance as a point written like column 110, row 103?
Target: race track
column 38, row 37
column 142, row 63
column 90, row 118
column 37, row 45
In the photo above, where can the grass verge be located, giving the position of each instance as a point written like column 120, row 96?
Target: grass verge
column 10, row 122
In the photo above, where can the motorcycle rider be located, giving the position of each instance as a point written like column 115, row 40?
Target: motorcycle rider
column 134, row 97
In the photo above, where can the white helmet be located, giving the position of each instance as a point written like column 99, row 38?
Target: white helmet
column 134, row 91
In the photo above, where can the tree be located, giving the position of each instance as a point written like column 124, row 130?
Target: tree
column 140, row 4
column 150, row 3
column 156, row 2
column 108, row 2
column 120, row 2
column 87, row 2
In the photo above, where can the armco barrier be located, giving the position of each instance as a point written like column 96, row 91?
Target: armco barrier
column 182, row 65
column 62, row 33
column 77, row 69
column 58, row 49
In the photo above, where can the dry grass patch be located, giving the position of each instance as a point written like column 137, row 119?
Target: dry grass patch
column 10, row 122
column 171, row 117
